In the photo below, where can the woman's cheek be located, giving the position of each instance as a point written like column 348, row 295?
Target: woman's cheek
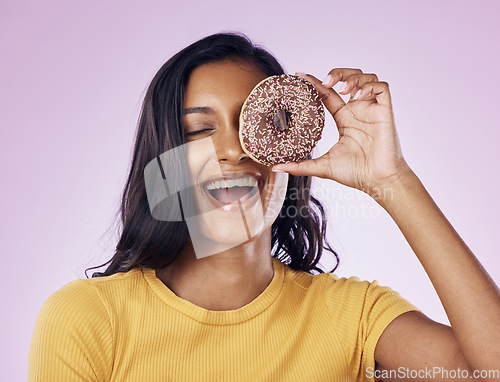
column 199, row 153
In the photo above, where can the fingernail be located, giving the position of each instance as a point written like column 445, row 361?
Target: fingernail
column 343, row 87
column 358, row 93
column 327, row 80
column 277, row 170
column 300, row 74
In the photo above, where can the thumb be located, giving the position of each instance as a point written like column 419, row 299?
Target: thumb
column 311, row 167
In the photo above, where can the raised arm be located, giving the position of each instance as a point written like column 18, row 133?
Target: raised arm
column 368, row 157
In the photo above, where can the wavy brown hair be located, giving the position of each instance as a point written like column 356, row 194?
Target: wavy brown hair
column 297, row 241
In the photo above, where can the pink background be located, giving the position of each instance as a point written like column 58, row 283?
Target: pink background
column 73, row 76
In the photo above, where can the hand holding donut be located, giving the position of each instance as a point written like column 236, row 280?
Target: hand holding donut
column 368, row 154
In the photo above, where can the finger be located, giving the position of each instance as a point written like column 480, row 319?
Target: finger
column 353, row 79
column 356, row 81
column 378, row 91
column 339, row 74
column 310, row 167
column 332, row 101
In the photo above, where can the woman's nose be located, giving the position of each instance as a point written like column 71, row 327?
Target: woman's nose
column 228, row 147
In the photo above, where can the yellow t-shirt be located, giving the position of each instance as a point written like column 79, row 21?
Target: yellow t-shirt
column 131, row 327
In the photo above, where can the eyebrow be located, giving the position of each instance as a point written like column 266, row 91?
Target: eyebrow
column 201, row 110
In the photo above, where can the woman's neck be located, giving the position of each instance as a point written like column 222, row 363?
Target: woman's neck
column 225, row 281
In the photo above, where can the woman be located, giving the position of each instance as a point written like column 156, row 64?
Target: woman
column 202, row 288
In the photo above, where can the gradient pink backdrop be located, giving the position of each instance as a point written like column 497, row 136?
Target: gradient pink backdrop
column 73, row 76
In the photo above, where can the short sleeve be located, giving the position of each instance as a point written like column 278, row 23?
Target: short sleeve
column 72, row 339
column 361, row 311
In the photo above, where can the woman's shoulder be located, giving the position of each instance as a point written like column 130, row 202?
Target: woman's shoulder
column 77, row 298
column 330, row 281
column 353, row 303
column 96, row 285
column 348, row 295
column 74, row 327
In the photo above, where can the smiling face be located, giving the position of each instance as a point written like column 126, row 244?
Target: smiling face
column 237, row 198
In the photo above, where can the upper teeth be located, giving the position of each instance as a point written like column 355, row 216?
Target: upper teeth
column 228, row 183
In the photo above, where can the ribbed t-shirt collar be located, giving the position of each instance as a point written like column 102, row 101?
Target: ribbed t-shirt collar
column 224, row 317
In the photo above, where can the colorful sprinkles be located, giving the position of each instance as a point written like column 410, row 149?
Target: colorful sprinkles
column 261, row 139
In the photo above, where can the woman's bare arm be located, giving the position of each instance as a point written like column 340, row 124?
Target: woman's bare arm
column 469, row 296
column 368, row 157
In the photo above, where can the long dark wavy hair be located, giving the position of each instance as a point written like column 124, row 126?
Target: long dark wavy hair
column 297, row 241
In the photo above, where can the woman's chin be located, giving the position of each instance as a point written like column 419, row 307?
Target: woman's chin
column 233, row 227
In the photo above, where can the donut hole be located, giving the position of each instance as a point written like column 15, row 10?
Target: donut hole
column 281, row 120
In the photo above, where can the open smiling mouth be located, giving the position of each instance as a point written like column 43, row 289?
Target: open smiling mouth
column 233, row 191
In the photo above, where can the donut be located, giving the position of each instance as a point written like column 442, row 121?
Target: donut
column 281, row 120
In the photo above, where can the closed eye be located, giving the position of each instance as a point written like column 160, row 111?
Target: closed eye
column 191, row 133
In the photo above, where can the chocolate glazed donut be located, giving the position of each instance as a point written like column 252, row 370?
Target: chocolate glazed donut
column 281, row 120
